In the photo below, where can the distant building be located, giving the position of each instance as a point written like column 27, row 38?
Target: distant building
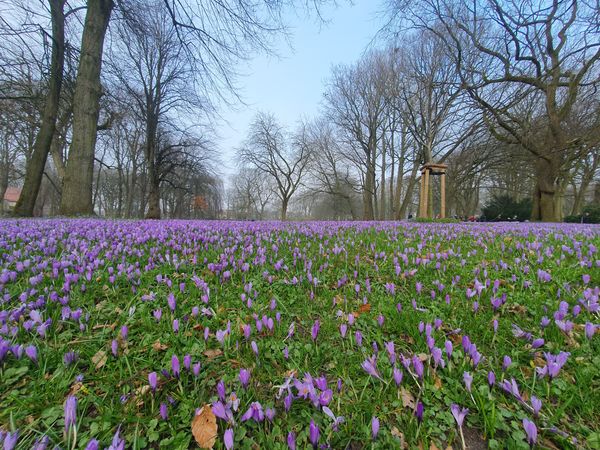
column 11, row 196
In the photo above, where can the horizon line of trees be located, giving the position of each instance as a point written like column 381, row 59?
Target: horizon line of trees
column 110, row 107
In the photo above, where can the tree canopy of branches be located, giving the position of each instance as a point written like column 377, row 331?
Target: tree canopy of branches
column 270, row 150
column 526, row 65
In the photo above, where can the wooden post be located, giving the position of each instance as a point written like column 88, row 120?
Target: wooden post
column 443, row 195
column 426, row 193
column 422, row 181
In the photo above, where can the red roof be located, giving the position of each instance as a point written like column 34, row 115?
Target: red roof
column 12, row 194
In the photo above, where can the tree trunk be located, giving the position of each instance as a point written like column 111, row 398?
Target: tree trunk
column 409, row 192
column 284, row 207
column 79, row 171
column 544, row 201
column 153, row 193
column 382, row 202
column 37, row 162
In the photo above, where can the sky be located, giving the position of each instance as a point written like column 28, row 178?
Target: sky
column 291, row 84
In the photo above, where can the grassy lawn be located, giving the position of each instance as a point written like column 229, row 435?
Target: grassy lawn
column 349, row 335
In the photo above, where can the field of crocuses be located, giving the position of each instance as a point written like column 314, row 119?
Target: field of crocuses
column 269, row 335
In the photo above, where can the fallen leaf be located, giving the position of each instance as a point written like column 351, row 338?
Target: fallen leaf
column 423, row 357
column 408, row 400
column 432, row 446
column 364, row 308
column 437, row 383
column 75, row 388
column 399, row 435
column 157, row 346
column 204, row 427
column 213, row 353
column 99, row 359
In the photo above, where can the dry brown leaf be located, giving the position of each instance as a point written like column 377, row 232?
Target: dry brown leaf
column 408, row 400
column 204, row 427
column 157, row 346
column 398, row 434
column 75, row 388
column 437, row 383
column 99, row 359
column 408, row 339
column 420, row 445
column 212, row 353
column 547, row 443
column 364, row 308
column 432, row 446
column 423, row 357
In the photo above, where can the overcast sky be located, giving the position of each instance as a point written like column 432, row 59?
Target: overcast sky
column 291, row 86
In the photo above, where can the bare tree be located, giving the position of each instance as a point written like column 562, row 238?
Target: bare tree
column 271, row 151
column 355, row 101
column 510, row 52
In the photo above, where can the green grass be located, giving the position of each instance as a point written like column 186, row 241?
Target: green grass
column 32, row 395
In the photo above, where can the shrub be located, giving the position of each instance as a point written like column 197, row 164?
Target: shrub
column 504, row 207
column 590, row 214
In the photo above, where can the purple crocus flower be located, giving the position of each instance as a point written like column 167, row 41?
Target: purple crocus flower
column 553, row 364
column 315, row 330
column 436, row 354
column 537, row 343
column 459, row 414
column 369, row 365
column 175, row 368
column 419, row 411
column 196, row 369
column 314, row 433
column 270, row 414
column 590, row 330
column 358, row 338
column 94, row 444
column 336, row 420
column 31, row 352
column 244, row 377
column 506, row 362
column 287, row 401
column 10, row 440
column 228, row 439
column 221, row 390
column 389, row 346
column 222, row 411
column 448, row 346
column 164, row 413
column 397, row 373
column 536, row 405
column 70, row 412
column 291, row 440
column 247, row 329
column 175, row 326
column 374, row 427
column 468, row 379
column 418, row 366
column 531, row 431
column 70, row 358
column 157, row 314
column 343, row 330
column 187, row 361
column 40, row 444
column 255, row 412
column 114, row 346
column 124, row 332
column 491, row 378
column 152, row 381
column 172, row 302
column 254, row 347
